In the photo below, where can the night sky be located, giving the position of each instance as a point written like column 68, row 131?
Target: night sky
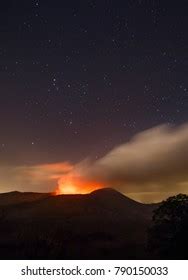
column 80, row 77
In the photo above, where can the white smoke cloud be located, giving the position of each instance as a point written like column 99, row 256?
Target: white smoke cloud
column 153, row 160
column 36, row 178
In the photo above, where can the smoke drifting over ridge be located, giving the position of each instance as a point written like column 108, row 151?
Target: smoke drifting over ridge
column 155, row 160
column 152, row 165
column 157, row 154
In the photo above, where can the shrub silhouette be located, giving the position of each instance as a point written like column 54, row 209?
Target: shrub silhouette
column 167, row 236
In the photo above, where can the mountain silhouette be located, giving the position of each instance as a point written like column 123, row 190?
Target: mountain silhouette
column 16, row 197
column 104, row 224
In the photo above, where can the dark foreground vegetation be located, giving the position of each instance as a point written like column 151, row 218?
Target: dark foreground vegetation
column 168, row 232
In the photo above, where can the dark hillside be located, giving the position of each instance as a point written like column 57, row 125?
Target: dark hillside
column 102, row 224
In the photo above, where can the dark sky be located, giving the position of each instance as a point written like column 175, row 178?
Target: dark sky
column 80, row 77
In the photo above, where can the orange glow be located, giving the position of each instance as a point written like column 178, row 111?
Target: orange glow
column 76, row 185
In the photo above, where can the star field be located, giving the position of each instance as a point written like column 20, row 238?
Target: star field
column 80, row 77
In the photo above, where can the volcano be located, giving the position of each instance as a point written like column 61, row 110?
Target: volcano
column 104, row 224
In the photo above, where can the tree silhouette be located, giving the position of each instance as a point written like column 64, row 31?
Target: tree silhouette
column 168, row 234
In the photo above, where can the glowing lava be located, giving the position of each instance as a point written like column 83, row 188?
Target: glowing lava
column 76, row 185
